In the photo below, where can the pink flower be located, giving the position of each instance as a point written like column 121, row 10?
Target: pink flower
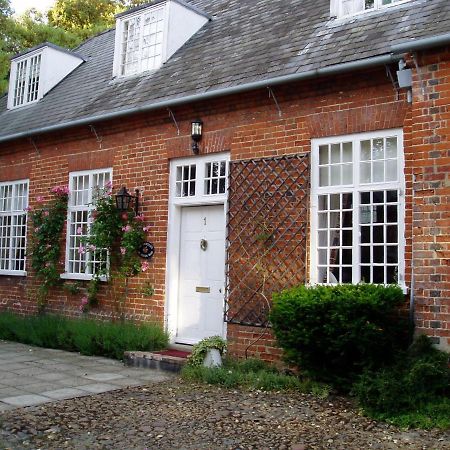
column 144, row 266
column 123, row 250
column 126, row 228
column 124, row 216
column 140, row 218
column 46, row 213
column 92, row 248
column 81, row 250
column 48, row 246
column 109, row 185
column 147, row 228
column 60, row 190
column 47, row 264
column 84, row 300
column 39, row 199
column 79, row 230
column 36, row 230
column 28, row 208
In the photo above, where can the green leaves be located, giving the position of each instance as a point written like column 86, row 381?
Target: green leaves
column 47, row 224
column 334, row 332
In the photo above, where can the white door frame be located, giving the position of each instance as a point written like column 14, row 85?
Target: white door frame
column 174, row 229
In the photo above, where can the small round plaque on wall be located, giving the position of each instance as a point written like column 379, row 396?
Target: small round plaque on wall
column 146, row 250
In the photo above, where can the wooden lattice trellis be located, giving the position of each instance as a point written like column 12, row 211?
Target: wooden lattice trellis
column 267, row 225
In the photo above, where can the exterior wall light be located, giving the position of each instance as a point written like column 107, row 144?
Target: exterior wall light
column 196, row 135
column 124, row 200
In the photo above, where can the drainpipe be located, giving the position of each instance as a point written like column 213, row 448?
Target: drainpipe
column 262, row 84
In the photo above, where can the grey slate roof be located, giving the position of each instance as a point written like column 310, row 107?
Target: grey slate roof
column 246, row 40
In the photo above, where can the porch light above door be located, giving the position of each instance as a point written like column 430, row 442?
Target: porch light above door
column 196, row 135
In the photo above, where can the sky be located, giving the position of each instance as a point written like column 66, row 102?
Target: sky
column 20, row 6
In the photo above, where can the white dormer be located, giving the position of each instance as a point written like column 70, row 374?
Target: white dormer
column 37, row 71
column 343, row 8
column 147, row 36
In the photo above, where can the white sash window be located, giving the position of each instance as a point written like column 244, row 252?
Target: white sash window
column 13, row 228
column 358, row 209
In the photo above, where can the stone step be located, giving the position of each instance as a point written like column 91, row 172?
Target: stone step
column 169, row 360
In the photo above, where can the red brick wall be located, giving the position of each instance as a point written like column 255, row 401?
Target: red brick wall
column 139, row 149
column 428, row 156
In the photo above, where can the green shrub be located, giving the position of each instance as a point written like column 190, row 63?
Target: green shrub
column 89, row 337
column 419, row 377
column 333, row 333
column 252, row 374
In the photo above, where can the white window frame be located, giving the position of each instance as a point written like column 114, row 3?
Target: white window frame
column 89, row 207
column 13, row 80
column 378, row 4
column 118, row 50
column 200, row 189
column 356, row 187
column 15, row 213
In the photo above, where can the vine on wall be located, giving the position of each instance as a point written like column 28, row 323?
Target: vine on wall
column 111, row 246
column 47, row 223
column 114, row 239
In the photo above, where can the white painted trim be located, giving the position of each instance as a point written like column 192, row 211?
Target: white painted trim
column 13, row 273
column 16, row 213
column 69, row 275
column 377, row 7
column 316, row 191
column 12, row 79
column 174, row 228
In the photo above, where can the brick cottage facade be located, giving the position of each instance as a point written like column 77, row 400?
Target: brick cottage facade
column 314, row 166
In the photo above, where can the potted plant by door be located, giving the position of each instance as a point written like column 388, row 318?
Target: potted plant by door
column 208, row 352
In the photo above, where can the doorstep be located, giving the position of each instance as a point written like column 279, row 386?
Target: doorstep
column 170, row 360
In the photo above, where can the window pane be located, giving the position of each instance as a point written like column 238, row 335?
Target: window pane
column 378, row 171
column 365, row 172
column 347, row 152
column 391, row 170
column 391, row 147
column 335, row 152
column 366, row 151
column 323, row 176
column 347, row 174
column 323, row 154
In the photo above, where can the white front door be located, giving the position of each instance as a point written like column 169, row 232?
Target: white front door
column 201, row 273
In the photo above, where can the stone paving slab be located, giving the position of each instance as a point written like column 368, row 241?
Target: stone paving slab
column 32, row 376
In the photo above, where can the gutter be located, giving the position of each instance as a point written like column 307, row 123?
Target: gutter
column 421, row 44
column 331, row 70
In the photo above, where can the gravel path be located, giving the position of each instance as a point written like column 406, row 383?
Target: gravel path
column 179, row 415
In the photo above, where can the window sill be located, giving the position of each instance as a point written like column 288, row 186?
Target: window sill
column 13, row 273
column 79, row 276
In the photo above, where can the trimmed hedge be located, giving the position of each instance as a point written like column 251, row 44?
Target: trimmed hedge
column 89, row 337
column 334, row 333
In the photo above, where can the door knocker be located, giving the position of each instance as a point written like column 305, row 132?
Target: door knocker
column 204, row 244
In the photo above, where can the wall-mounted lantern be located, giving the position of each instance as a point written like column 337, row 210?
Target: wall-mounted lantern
column 196, row 135
column 124, row 200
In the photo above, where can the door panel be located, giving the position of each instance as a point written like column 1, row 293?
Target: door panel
column 201, row 273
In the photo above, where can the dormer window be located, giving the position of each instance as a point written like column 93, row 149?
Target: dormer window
column 343, row 8
column 26, row 85
column 148, row 35
column 37, row 71
column 142, row 42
